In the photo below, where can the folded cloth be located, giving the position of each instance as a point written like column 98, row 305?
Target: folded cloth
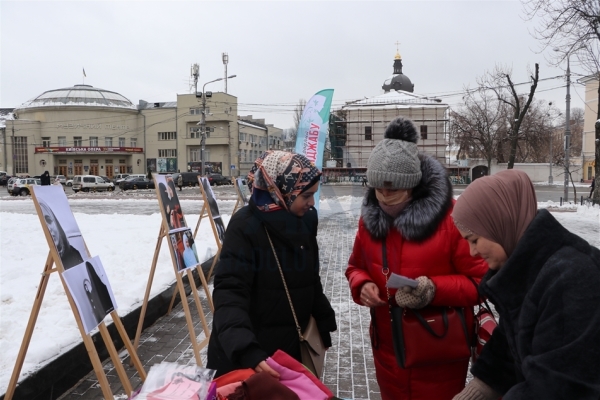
column 298, row 382
column 285, row 360
column 227, row 383
column 261, row 386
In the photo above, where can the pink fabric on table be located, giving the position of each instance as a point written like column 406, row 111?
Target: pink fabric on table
column 226, row 390
column 285, row 360
column 299, row 383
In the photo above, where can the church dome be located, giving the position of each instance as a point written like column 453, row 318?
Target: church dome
column 398, row 81
column 77, row 96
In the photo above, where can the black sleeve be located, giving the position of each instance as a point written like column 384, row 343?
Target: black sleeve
column 233, row 282
column 322, row 310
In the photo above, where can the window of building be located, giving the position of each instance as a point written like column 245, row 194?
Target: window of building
column 122, row 161
column 78, row 161
column 163, row 153
column 108, row 141
column 94, row 141
column 245, row 153
column 121, row 142
column 94, row 161
column 368, row 133
column 62, row 161
column 242, row 137
column 195, row 132
column 46, row 142
column 423, row 132
column 108, row 161
column 195, row 154
column 62, row 141
column 21, row 161
column 167, row 135
column 133, row 142
column 77, row 141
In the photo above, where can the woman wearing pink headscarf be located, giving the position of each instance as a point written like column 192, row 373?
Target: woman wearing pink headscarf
column 544, row 282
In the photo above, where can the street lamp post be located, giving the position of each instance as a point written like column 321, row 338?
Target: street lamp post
column 567, row 130
column 203, row 122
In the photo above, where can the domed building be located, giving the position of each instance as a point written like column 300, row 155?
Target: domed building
column 398, row 81
column 82, row 130
column 363, row 126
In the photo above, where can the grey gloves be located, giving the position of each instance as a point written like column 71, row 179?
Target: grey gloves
column 418, row 297
column 477, row 390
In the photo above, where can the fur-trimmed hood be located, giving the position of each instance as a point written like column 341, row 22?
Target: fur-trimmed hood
column 430, row 202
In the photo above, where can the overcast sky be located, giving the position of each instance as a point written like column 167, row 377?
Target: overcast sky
column 281, row 51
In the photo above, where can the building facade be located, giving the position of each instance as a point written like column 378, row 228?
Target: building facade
column 589, row 131
column 361, row 124
column 86, row 130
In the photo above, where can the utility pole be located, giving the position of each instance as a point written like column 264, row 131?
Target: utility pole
column 225, row 57
column 567, row 130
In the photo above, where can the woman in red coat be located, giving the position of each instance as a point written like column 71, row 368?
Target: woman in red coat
column 409, row 205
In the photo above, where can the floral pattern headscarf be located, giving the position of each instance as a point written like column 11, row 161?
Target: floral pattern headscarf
column 283, row 175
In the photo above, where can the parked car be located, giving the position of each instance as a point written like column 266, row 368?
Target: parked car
column 218, row 179
column 106, row 178
column 69, row 182
column 21, row 187
column 87, row 183
column 10, row 183
column 4, row 177
column 61, row 178
column 136, row 183
column 189, row 178
column 118, row 178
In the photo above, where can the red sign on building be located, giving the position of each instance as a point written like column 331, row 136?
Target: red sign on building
column 68, row 150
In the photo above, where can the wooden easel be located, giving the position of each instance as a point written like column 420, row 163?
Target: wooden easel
column 241, row 200
column 164, row 232
column 54, row 259
column 204, row 213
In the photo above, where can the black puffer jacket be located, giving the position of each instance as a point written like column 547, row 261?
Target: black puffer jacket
column 547, row 344
column 252, row 316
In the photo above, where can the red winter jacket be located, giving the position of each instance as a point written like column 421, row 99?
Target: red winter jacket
column 422, row 241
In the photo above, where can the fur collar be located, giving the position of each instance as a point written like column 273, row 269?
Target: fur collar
column 430, row 202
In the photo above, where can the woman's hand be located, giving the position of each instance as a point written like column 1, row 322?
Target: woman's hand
column 369, row 295
column 264, row 367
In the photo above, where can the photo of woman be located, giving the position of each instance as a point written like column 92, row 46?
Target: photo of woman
column 61, row 225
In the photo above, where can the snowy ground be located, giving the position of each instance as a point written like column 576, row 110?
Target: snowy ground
column 124, row 233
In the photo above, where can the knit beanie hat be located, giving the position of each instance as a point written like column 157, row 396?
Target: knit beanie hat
column 396, row 158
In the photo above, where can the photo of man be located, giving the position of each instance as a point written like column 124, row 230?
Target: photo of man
column 242, row 189
column 61, row 225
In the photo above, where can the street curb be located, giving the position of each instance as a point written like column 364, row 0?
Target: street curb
column 62, row 373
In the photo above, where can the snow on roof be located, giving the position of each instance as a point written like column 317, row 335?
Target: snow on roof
column 79, row 95
column 395, row 99
column 6, row 114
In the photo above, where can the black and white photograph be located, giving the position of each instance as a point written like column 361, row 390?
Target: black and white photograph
column 184, row 248
column 60, row 223
column 214, row 208
column 242, row 190
column 170, row 202
column 91, row 291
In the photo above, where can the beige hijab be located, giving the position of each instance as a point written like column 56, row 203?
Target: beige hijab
column 498, row 207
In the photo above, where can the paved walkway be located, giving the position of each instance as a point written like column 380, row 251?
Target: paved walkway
column 349, row 371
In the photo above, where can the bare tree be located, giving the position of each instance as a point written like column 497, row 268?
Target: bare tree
column 571, row 27
column 476, row 126
column 298, row 110
column 501, row 83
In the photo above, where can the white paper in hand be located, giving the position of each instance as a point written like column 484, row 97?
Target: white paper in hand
column 396, row 281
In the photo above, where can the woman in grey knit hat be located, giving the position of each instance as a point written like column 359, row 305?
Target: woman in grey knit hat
column 407, row 208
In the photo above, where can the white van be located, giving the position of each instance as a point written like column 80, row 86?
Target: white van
column 93, row 183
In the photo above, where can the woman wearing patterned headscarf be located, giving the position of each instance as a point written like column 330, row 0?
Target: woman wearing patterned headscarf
column 543, row 281
column 252, row 316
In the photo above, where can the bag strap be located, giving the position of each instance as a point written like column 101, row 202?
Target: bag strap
column 286, row 288
column 482, row 300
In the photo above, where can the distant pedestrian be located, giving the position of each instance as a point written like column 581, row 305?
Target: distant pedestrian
column 180, row 182
column 364, row 180
column 149, row 176
column 45, row 179
column 593, row 186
